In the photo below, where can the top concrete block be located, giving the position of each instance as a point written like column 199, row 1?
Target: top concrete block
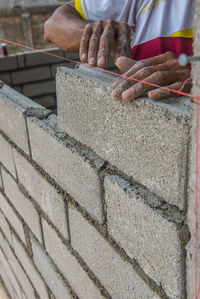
column 146, row 140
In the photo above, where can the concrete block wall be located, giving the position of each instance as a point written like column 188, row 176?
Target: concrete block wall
column 33, row 74
column 83, row 214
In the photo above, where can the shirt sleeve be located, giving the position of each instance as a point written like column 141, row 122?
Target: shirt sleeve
column 117, row 10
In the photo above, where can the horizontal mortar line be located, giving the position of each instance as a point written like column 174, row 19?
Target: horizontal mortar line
column 18, row 262
column 137, row 268
column 5, row 288
column 111, row 170
column 89, row 272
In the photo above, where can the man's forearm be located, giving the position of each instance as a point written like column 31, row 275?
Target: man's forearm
column 65, row 28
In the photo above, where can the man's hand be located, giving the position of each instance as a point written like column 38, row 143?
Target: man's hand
column 163, row 70
column 103, row 37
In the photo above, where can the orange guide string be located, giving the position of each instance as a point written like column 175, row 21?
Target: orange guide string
column 180, row 92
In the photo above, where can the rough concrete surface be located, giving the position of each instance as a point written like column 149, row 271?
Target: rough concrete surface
column 23, row 205
column 6, row 156
column 12, row 218
column 30, row 269
column 43, row 193
column 146, row 140
column 145, row 235
column 13, row 106
column 19, row 273
column 69, row 168
column 5, row 228
column 68, row 265
column 116, row 274
column 47, row 269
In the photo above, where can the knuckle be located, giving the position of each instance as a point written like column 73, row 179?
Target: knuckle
column 95, row 36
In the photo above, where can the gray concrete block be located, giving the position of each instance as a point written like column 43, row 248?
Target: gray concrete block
column 31, row 75
column 19, row 273
column 72, row 56
column 43, row 193
column 146, row 140
column 30, row 269
column 6, row 156
column 5, row 228
column 47, row 270
column 68, row 265
column 116, row 274
column 33, row 59
column 12, row 218
column 141, row 231
column 46, row 101
column 65, row 163
column 12, row 121
column 10, row 274
column 39, row 89
column 23, row 205
column 6, row 78
column 8, row 63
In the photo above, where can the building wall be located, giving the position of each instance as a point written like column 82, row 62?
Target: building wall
column 33, row 74
column 28, row 24
column 74, row 222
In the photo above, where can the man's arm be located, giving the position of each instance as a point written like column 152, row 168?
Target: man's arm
column 65, row 28
column 69, row 32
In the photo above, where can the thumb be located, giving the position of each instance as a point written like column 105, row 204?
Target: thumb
column 124, row 63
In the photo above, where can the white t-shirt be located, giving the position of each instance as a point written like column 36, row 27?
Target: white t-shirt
column 150, row 20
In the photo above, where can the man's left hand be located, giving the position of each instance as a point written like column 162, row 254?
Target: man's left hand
column 163, row 70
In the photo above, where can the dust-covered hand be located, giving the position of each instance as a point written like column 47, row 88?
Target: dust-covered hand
column 102, row 38
column 163, row 70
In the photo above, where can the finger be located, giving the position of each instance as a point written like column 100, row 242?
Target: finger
column 106, row 43
column 94, row 43
column 160, row 94
column 84, row 44
column 159, row 78
column 129, row 64
column 157, row 60
column 123, row 40
column 140, row 75
column 124, row 63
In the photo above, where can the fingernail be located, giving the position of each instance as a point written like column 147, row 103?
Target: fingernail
column 92, row 61
column 84, row 56
column 127, row 94
column 115, row 95
column 101, row 61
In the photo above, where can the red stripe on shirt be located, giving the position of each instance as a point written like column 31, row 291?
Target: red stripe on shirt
column 160, row 45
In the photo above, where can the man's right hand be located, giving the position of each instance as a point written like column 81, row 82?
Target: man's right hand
column 102, row 38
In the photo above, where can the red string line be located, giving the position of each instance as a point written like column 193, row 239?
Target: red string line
column 196, row 205
column 180, row 92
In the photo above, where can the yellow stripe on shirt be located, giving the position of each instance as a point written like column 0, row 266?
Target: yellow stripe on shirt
column 188, row 33
column 151, row 6
column 79, row 8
